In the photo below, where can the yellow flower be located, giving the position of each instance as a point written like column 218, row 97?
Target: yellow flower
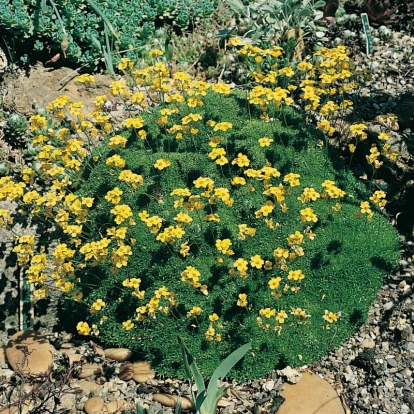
column 330, row 317
column 242, row 301
column 288, row 71
column 128, row 325
column 241, row 265
column 185, row 249
column 265, row 141
column 307, row 214
column 114, row 196
column 97, row 305
column 351, row 148
column 222, row 88
column 115, row 161
column 37, row 122
column 125, row 63
column 292, row 179
column 267, row 312
column 134, row 122
column 191, row 118
column 256, row 261
column 241, row 160
column 359, row 129
column 222, row 126
column 234, row 41
column 121, row 212
column 365, row 207
column 85, row 78
column 214, row 317
column 155, row 52
column 305, row 66
column 223, row 245
column 274, row 282
column 281, row 316
column 162, row 163
column 238, row 181
column 83, row 328
column 195, row 311
column 117, row 141
column 216, row 152
column 296, row 275
column 295, row 239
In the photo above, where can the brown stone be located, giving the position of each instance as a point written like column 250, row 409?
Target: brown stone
column 87, row 370
column 311, row 395
column 94, row 405
column 169, row 400
column 39, row 359
column 74, row 358
column 126, row 371
column 118, row 354
column 142, row 372
column 14, row 409
column 3, row 359
column 88, row 387
column 115, row 406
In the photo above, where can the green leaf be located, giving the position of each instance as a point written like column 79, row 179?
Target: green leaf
column 236, row 5
column 168, row 48
column 191, row 367
column 200, row 399
column 305, row 13
column 319, row 4
column 103, row 17
column 221, row 371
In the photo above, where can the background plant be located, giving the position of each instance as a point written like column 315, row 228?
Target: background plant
column 35, row 30
column 266, row 23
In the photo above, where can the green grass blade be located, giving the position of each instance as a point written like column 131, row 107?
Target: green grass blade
column 102, row 15
column 191, row 367
column 222, row 370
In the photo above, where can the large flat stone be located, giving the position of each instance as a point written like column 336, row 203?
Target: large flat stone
column 311, row 395
column 30, row 353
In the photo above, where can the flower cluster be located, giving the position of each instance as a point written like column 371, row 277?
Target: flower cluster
column 181, row 215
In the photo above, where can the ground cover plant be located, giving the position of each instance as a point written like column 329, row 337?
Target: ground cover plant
column 214, row 213
column 32, row 30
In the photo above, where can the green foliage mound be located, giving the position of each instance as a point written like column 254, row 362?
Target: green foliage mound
column 31, row 27
column 200, row 288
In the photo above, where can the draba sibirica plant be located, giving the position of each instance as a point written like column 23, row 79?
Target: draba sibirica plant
column 210, row 213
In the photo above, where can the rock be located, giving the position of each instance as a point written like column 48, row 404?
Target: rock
column 291, row 374
column 268, row 385
column 66, row 345
column 94, row 405
column 87, row 370
column 388, row 306
column 115, row 407
column 126, row 372
column 74, row 358
column 39, row 358
column 14, row 409
column 392, row 362
column 142, row 372
column 368, row 343
column 169, row 400
column 118, row 354
column 310, row 395
column 3, row 358
column 87, row 387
